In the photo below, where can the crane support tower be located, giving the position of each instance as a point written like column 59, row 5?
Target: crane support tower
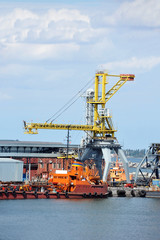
column 151, row 162
column 100, row 138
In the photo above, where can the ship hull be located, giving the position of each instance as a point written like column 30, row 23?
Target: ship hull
column 80, row 192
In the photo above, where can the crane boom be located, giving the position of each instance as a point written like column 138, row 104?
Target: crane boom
column 123, row 79
column 102, row 120
column 29, row 127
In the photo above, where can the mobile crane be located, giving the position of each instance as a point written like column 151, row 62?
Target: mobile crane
column 100, row 138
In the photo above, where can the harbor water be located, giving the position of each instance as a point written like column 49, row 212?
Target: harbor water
column 112, row 219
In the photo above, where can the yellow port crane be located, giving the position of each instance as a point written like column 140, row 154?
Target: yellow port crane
column 102, row 121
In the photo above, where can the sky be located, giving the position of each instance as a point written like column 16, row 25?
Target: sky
column 50, row 50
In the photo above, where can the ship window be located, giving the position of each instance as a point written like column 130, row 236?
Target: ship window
column 73, row 177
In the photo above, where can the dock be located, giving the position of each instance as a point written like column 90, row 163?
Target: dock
column 133, row 192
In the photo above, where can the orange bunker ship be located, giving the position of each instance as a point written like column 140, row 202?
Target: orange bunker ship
column 78, row 182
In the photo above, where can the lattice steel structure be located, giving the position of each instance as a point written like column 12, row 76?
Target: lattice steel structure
column 151, row 162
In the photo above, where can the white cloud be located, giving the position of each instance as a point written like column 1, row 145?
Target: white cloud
column 136, row 13
column 26, row 51
column 9, row 20
column 53, row 34
column 54, row 25
column 65, row 14
column 134, row 64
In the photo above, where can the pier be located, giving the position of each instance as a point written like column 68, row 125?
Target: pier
column 133, row 192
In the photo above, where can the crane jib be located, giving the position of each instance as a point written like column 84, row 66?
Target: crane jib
column 101, row 124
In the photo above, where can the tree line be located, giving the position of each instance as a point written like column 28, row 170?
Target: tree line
column 135, row 153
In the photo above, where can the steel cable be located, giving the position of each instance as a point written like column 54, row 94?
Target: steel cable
column 65, row 107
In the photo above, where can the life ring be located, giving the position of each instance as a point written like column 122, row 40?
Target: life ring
column 84, row 195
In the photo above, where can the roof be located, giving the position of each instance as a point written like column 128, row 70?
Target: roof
column 34, row 144
column 16, row 148
column 9, row 160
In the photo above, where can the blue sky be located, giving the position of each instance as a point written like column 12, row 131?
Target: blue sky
column 50, row 49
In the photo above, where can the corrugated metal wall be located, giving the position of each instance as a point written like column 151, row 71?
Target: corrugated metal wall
column 11, row 170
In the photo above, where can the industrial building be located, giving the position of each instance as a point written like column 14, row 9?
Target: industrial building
column 39, row 158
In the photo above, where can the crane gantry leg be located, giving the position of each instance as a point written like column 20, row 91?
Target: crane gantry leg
column 101, row 149
column 124, row 160
column 107, row 160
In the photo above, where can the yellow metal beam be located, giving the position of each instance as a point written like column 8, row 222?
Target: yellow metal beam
column 123, row 79
column 32, row 128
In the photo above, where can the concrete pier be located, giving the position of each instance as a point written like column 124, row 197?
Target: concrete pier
column 132, row 192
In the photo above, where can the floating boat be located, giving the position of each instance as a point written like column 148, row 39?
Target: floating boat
column 117, row 173
column 78, row 182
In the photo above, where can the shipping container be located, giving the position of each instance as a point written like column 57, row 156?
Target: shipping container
column 11, row 170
